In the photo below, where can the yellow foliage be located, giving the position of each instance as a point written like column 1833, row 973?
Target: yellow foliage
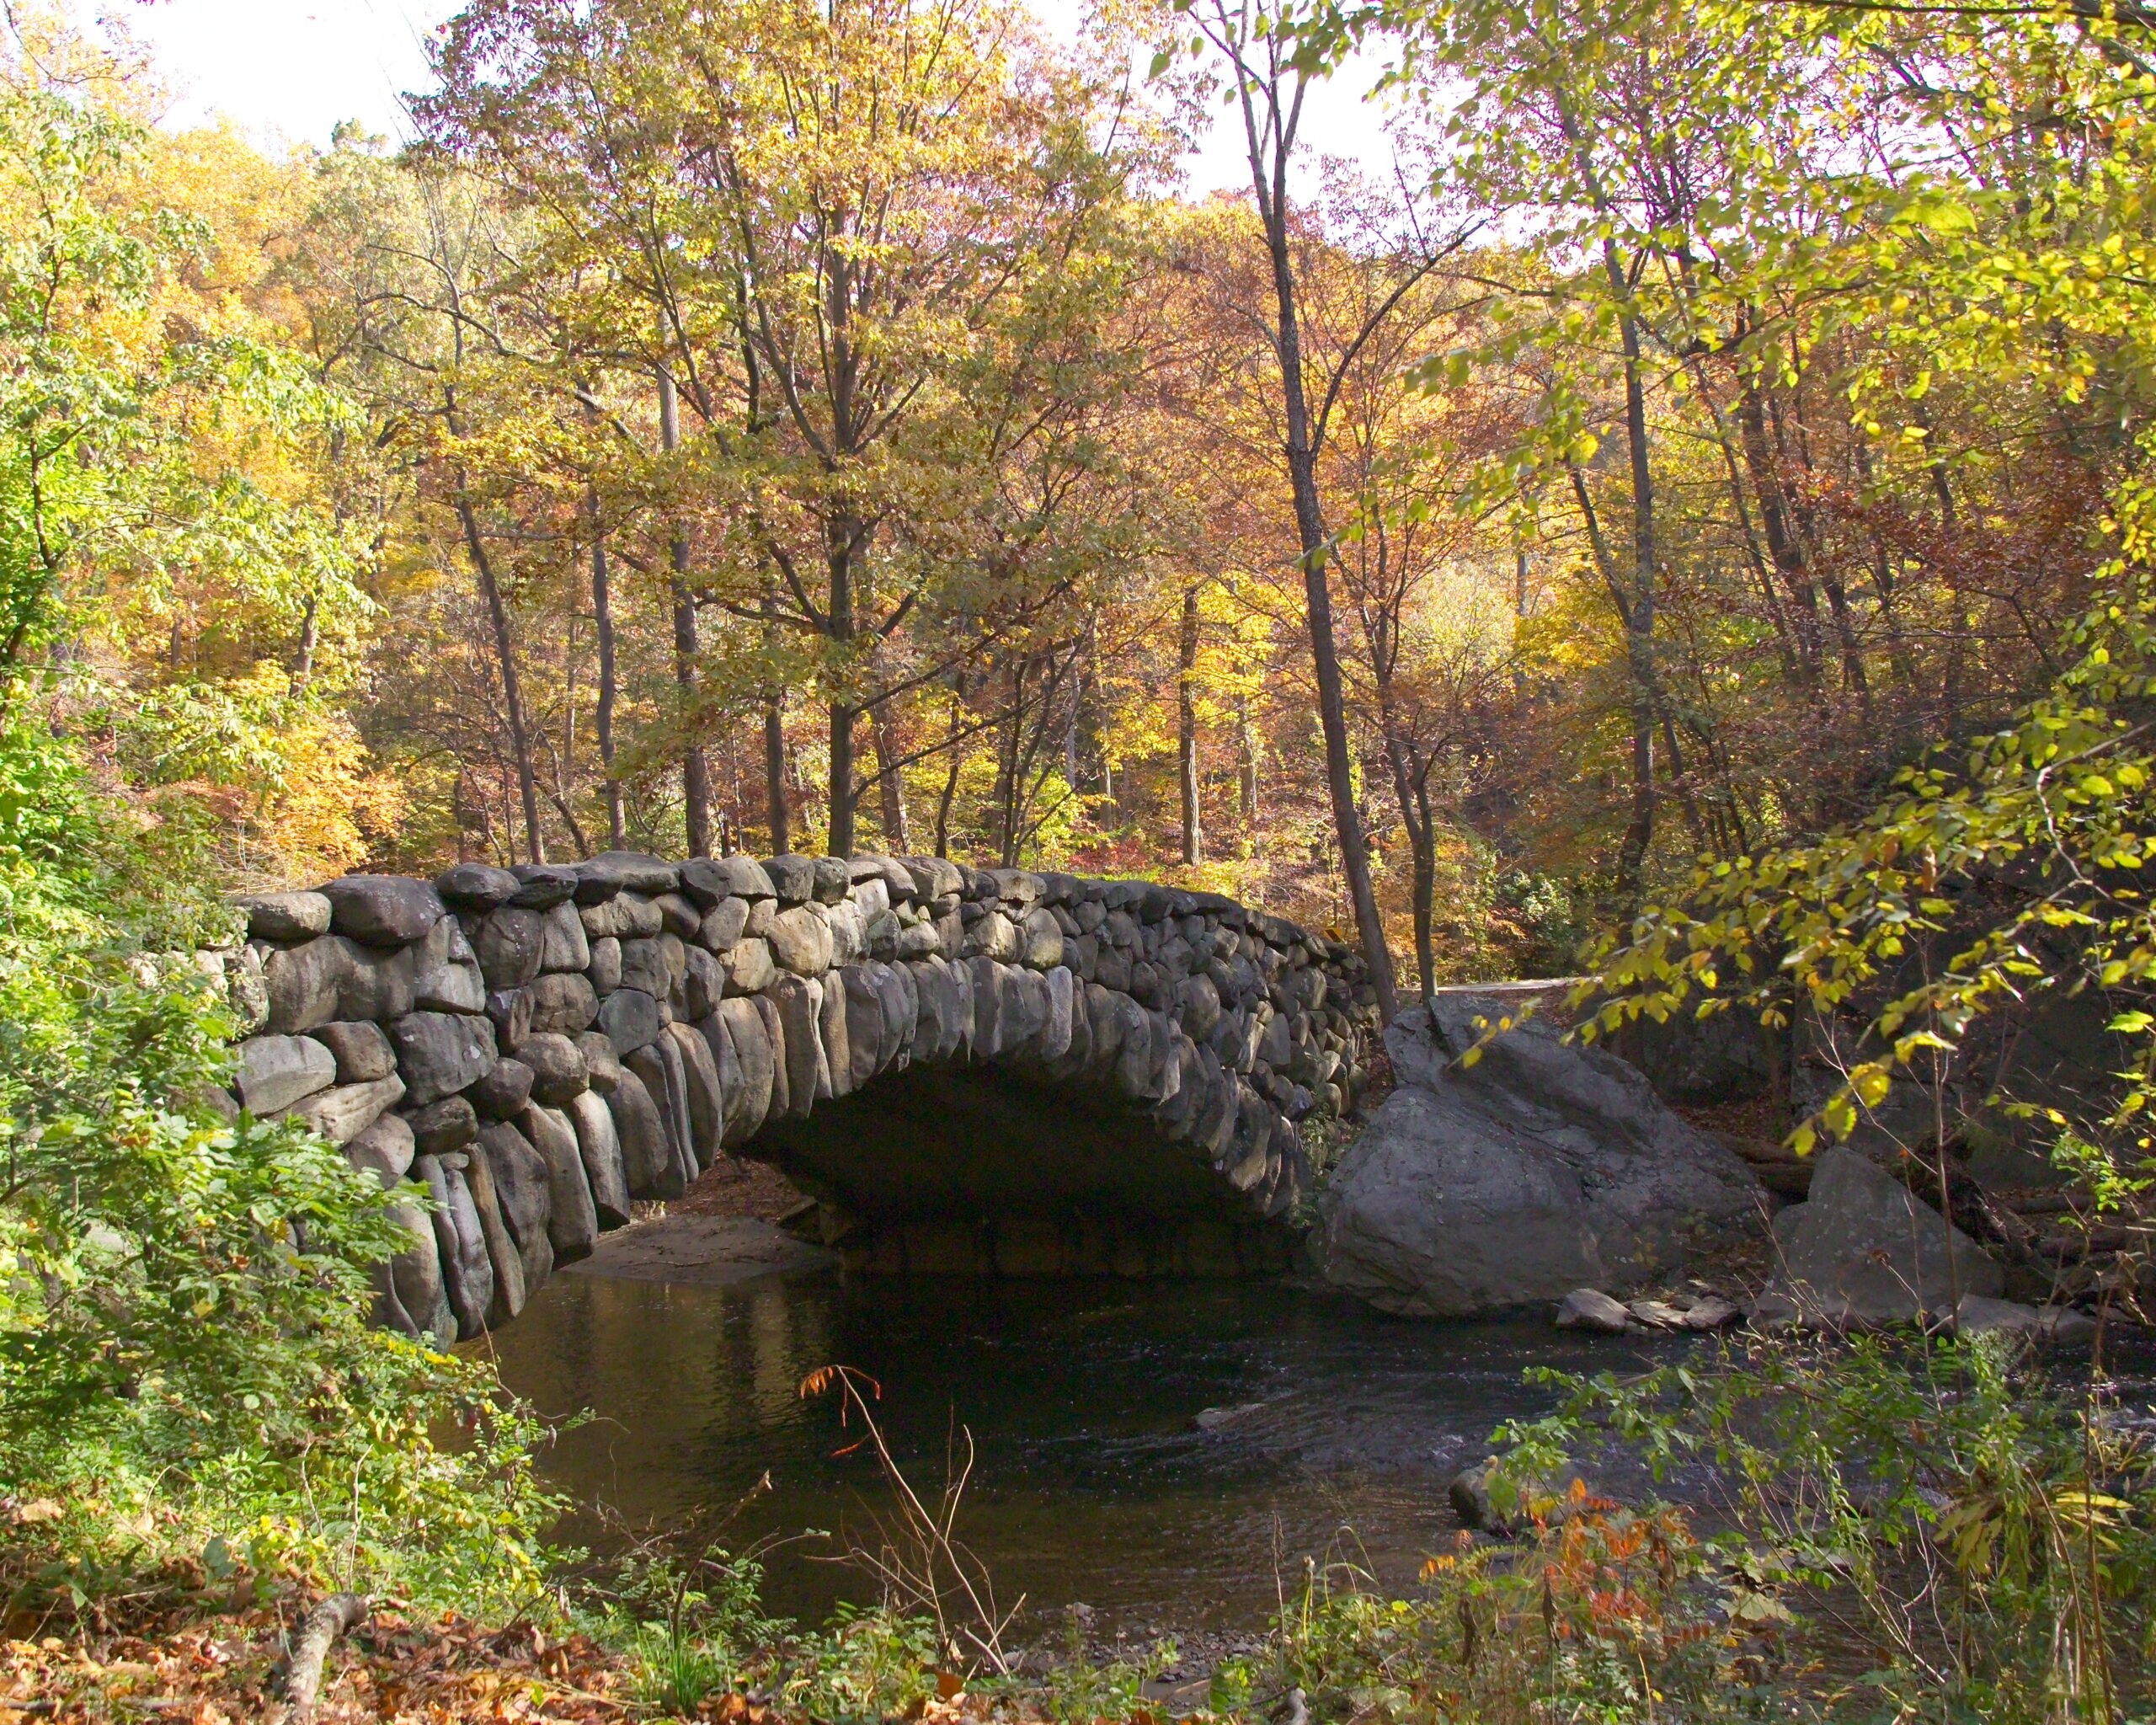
column 329, row 807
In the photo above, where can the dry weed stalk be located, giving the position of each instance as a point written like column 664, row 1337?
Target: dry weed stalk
column 920, row 1564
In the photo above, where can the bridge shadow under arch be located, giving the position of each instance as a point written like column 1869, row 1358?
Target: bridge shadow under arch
column 992, row 1169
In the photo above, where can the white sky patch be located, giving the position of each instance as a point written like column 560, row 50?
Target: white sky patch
column 286, row 71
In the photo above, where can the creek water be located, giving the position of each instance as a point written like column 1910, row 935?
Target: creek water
column 1331, row 1434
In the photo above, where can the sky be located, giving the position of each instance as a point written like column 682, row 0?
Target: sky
column 290, row 70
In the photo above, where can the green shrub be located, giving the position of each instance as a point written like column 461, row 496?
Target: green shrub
column 189, row 1383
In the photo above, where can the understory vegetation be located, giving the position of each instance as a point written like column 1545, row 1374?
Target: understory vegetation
column 1690, row 520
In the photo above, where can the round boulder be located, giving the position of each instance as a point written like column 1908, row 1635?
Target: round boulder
column 381, row 910
column 285, row 916
column 558, row 1070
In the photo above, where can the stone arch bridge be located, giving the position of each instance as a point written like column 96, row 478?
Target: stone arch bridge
column 972, row 1071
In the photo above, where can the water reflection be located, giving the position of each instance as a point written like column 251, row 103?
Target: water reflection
column 1329, row 1427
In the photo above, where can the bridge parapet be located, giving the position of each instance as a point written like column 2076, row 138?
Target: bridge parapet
column 539, row 1046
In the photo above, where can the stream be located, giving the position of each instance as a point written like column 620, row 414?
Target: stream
column 1329, row 1431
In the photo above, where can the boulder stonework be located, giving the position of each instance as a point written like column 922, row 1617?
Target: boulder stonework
column 1537, row 1169
column 539, row 1047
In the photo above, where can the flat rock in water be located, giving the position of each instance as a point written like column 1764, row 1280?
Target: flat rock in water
column 1213, row 1420
column 1710, row 1312
column 708, row 1251
column 1592, row 1309
column 1979, row 1315
column 1486, row 1503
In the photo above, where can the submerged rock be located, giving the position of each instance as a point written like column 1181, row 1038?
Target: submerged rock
column 1488, row 1501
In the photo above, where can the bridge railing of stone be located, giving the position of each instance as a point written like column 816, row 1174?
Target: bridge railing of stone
column 539, row 1046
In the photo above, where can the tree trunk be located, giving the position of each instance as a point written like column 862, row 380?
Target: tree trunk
column 310, row 638
column 1324, row 655
column 1782, row 547
column 890, row 787
column 602, row 612
column 838, row 547
column 1193, row 835
column 1247, row 776
column 1638, row 605
column 775, row 776
column 950, row 774
column 504, row 651
column 840, row 840
column 696, row 769
column 1639, row 617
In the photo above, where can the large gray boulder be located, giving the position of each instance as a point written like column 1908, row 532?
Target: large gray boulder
column 599, row 1147
column 566, row 946
column 276, row 1071
column 378, row 983
column 631, row 1020
column 558, row 1069
column 572, row 1220
column 1864, row 1251
column 285, row 916
column 503, row 1252
column 475, row 886
column 443, row 1127
column 599, row 878
column 413, row 1284
column 381, row 910
column 363, row 1053
column 792, row 879
column 542, row 885
column 441, row 1053
column 502, row 1091
column 523, row 1187
column 708, row 879
column 345, row 1111
column 1541, row 1168
column 510, row 943
column 748, row 1100
column 563, row 1002
column 624, row 916
column 303, row 984
column 467, row 1273
column 385, row 1149
column 447, row 976
column 647, row 1156
column 801, row 941
column 723, row 924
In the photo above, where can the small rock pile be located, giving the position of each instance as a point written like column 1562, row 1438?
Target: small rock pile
column 539, row 1046
column 1863, row 1251
column 1591, row 1309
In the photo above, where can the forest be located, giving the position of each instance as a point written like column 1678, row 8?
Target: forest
column 1681, row 522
